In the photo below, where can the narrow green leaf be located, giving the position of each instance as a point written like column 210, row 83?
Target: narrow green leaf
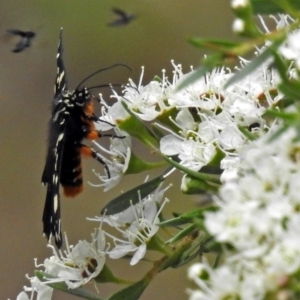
column 189, row 255
column 199, row 175
column 132, row 292
column 185, row 260
column 287, row 116
column 182, row 233
column 187, row 217
column 207, row 64
column 213, row 44
column 135, row 127
column 131, row 197
column 282, row 66
column 79, row 292
column 250, row 136
column 137, row 165
column 106, row 275
column 195, row 186
column 212, row 170
column 290, row 89
column 194, row 76
column 268, row 7
column 248, row 69
column 256, row 62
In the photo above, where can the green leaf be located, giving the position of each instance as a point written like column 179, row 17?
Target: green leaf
column 137, row 165
column 213, row 44
column 131, row 197
column 281, row 65
column 199, row 175
column 106, row 275
column 250, row 136
column 193, row 76
column 187, row 217
column 135, row 127
column 182, row 233
column 214, row 164
column 195, row 186
column 290, row 89
column 289, row 117
column 196, row 250
column 268, row 7
column 186, row 259
column 249, row 68
column 209, row 63
column 167, row 117
column 212, row 169
column 132, row 292
column 79, row 292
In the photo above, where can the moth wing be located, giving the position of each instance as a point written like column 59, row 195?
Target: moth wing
column 52, row 171
column 61, row 80
column 51, row 178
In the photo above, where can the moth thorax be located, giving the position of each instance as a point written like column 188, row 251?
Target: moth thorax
column 81, row 97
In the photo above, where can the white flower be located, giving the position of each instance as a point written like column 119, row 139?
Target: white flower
column 196, row 270
column 198, row 295
column 238, row 25
column 138, row 224
column 43, row 292
column 205, row 93
column 79, row 264
column 120, row 153
column 229, row 281
column 291, row 48
column 229, row 164
column 230, row 138
column 239, row 3
column 111, row 115
column 146, row 102
column 23, row 296
column 192, row 154
column 185, row 121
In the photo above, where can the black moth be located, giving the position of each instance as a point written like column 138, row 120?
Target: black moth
column 72, row 121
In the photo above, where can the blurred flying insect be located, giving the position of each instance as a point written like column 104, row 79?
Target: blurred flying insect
column 25, row 39
column 123, row 18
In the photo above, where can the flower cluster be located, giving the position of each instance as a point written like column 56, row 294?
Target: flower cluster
column 75, row 267
column 81, row 263
column 259, row 218
column 200, row 120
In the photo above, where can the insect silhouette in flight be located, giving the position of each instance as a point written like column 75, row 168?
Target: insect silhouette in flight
column 25, row 41
column 123, row 18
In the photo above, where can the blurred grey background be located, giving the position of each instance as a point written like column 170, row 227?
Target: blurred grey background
column 26, row 91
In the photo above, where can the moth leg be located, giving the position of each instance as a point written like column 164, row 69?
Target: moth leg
column 90, row 152
column 94, row 118
column 109, row 135
column 92, row 134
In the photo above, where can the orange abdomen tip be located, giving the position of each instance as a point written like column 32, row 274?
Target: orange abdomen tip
column 72, row 191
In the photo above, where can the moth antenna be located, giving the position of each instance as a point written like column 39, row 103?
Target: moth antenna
column 101, row 70
column 105, row 85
